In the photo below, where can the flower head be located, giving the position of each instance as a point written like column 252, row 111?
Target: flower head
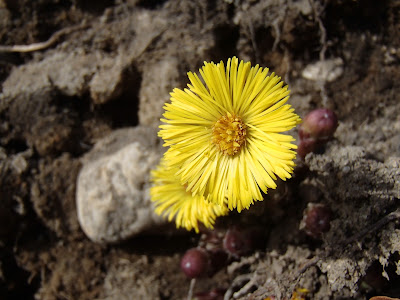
column 172, row 200
column 225, row 135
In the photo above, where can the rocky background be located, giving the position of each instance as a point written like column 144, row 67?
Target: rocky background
column 78, row 124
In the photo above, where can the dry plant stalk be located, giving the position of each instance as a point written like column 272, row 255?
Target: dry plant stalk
column 42, row 45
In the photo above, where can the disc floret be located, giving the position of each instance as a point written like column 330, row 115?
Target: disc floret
column 229, row 134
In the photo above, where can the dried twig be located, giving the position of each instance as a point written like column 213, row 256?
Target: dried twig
column 318, row 9
column 374, row 227
column 238, row 281
column 246, row 288
column 311, row 262
column 42, row 45
column 253, row 40
column 191, row 288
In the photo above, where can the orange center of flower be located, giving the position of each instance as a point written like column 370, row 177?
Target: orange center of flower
column 229, row 134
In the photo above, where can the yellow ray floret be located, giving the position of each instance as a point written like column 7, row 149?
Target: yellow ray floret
column 225, row 133
column 172, row 200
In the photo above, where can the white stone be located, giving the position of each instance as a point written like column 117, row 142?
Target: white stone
column 326, row 70
column 113, row 201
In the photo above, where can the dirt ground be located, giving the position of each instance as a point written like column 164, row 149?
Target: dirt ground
column 113, row 66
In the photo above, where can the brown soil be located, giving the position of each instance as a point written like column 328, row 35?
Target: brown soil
column 53, row 110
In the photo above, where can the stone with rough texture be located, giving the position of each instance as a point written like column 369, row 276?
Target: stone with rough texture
column 158, row 81
column 362, row 191
column 328, row 70
column 107, row 83
column 112, row 194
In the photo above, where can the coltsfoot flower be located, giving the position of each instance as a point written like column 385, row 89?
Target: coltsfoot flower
column 224, row 133
column 172, row 200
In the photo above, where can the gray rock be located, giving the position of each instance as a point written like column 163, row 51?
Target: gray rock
column 113, row 201
column 159, row 79
column 67, row 72
column 73, row 74
column 107, row 83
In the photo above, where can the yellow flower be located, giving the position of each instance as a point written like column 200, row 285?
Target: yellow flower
column 225, row 134
column 172, row 200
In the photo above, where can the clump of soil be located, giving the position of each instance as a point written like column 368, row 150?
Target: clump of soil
column 115, row 69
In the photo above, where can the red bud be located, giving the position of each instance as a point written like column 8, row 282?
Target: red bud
column 195, row 263
column 319, row 124
column 316, row 219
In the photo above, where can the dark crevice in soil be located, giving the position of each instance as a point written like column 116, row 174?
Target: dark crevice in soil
column 9, row 59
column 15, row 146
column 226, row 38
column 40, row 7
column 264, row 38
column 357, row 16
column 94, row 6
column 123, row 111
column 18, row 285
column 230, row 11
column 158, row 244
column 375, row 284
column 151, row 4
column 302, row 40
column 29, row 236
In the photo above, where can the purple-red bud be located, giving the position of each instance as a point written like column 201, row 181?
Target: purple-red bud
column 239, row 242
column 236, row 242
column 195, row 263
column 320, row 124
column 316, row 220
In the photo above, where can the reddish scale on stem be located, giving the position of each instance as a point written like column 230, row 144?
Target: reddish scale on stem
column 239, row 242
column 305, row 147
column 316, row 220
column 235, row 243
